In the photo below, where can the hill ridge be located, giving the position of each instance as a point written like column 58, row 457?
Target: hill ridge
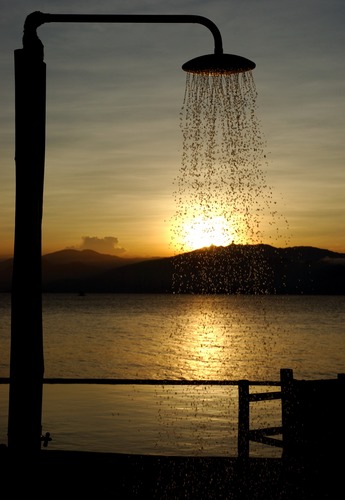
column 257, row 268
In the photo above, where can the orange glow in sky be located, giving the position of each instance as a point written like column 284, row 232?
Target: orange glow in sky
column 114, row 97
column 202, row 232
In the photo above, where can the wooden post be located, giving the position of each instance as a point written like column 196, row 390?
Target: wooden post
column 243, row 419
column 288, row 410
column 26, row 358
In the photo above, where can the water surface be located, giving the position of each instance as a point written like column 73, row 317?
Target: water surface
column 173, row 337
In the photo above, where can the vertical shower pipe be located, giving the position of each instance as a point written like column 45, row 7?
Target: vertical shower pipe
column 26, row 357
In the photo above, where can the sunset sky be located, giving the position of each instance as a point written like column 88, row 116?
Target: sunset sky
column 114, row 95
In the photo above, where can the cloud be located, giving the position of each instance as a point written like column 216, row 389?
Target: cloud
column 107, row 245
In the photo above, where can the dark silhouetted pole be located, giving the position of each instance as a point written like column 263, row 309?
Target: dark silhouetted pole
column 26, row 360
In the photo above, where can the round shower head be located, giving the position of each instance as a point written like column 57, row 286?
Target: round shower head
column 218, row 64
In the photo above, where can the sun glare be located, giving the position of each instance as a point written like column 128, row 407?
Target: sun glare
column 201, row 232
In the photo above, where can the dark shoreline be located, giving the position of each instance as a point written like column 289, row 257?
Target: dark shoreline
column 123, row 476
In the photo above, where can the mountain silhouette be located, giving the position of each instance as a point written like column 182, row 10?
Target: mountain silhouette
column 235, row 269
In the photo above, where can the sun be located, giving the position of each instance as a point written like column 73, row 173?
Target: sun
column 203, row 231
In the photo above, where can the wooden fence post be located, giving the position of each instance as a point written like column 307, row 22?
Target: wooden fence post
column 243, row 419
column 288, row 411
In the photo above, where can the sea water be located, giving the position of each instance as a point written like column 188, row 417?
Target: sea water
column 172, row 337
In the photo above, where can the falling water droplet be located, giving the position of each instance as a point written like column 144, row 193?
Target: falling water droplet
column 223, row 200
column 225, row 212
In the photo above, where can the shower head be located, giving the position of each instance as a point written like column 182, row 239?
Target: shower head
column 218, row 64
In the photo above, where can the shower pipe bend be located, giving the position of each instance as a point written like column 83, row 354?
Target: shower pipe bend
column 36, row 19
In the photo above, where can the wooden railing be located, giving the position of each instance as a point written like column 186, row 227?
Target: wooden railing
column 309, row 409
column 312, row 418
column 245, row 435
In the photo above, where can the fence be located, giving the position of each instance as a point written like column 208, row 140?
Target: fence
column 245, row 434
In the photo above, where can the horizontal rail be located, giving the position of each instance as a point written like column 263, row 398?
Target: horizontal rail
column 268, row 431
column 119, row 381
column 264, row 396
column 263, row 436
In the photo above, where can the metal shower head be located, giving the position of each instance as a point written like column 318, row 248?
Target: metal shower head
column 218, row 64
